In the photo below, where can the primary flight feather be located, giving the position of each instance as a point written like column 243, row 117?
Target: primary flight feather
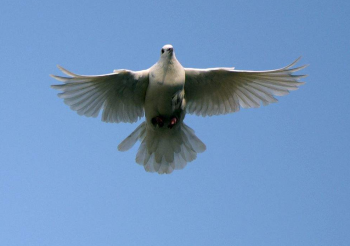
column 164, row 93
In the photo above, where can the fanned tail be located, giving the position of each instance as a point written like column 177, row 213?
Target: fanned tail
column 164, row 150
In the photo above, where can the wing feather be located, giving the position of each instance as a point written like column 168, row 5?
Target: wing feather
column 120, row 95
column 224, row 90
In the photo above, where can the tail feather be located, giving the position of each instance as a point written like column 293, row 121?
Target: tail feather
column 138, row 133
column 197, row 145
column 165, row 150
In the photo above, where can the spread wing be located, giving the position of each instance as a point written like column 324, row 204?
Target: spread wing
column 217, row 91
column 121, row 95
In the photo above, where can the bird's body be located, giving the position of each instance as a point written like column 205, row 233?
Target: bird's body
column 166, row 81
column 163, row 93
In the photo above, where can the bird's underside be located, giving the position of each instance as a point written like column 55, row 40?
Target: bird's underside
column 164, row 93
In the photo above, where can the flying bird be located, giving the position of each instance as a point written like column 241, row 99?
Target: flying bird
column 164, row 93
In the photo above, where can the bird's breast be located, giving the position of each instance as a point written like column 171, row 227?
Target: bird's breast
column 164, row 83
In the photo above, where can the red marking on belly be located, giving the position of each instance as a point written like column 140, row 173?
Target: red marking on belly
column 173, row 122
column 158, row 121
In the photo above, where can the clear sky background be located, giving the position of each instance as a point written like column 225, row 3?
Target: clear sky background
column 277, row 175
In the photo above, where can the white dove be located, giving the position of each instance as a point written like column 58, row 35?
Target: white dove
column 164, row 93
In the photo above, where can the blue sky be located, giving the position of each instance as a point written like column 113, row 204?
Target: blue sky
column 277, row 175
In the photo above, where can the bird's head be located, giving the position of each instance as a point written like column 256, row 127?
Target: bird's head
column 167, row 51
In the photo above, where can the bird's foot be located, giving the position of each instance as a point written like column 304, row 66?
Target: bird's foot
column 173, row 122
column 158, row 121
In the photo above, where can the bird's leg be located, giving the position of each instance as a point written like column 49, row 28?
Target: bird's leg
column 173, row 122
column 158, row 121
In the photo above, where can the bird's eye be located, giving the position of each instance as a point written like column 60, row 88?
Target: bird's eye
column 162, row 51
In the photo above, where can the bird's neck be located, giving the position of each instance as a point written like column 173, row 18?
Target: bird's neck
column 168, row 61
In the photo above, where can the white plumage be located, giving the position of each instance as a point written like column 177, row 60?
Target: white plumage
column 164, row 93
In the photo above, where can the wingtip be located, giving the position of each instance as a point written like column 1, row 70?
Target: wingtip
column 65, row 71
column 60, row 68
column 56, row 87
column 294, row 62
column 53, row 76
column 59, row 78
column 297, row 60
